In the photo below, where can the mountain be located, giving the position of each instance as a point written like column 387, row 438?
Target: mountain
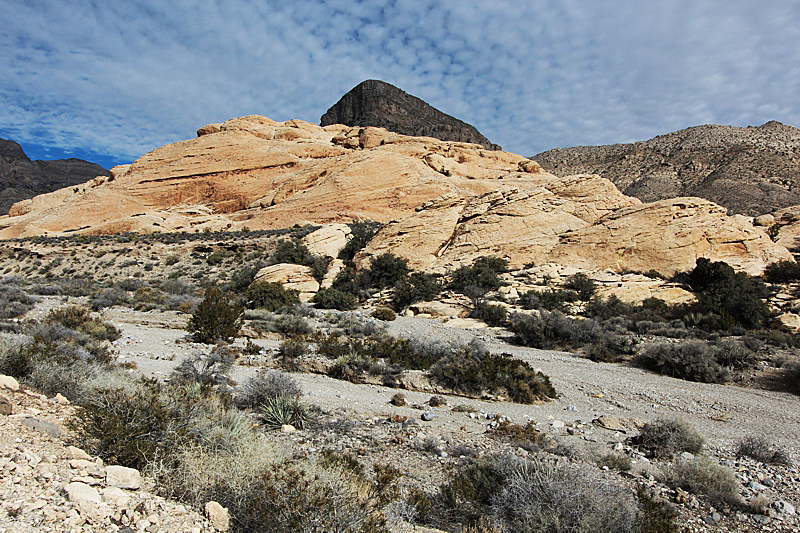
column 22, row 178
column 751, row 171
column 377, row 103
column 443, row 203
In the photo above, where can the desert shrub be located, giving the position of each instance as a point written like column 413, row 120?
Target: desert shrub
column 72, row 380
column 290, row 349
column 473, row 370
column 360, row 234
column 319, row 266
column 762, row 450
column 691, row 360
column 550, row 328
column 612, row 348
column 258, row 389
column 604, row 309
column 387, row 269
column 495, row 264
column 582, row 284
column 552, row 300
column 728, row 293
column 108, row 298
column 732, row 354
column 384, row 313
column 71, row 316
column 783, row 271
column 493, row 315
column 291, row 325
column 171, row 260
column 347, row 280
column 655, row 514
column 704, row 476
column 416, row 287
column 13, row 301
column 532, row 495
column 290, row 251
column 526, row 437
column 334, row 299
column 212, row 369
column 666, row 438
column 215, row 318
column 615, row 461
column 244, row 277
column 129, row 426
column 480, row 276
column 270, row 296
column 280, row 411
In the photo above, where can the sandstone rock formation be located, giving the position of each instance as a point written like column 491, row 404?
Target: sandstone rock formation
column 21, row 178
column 256, row 173
column 750, row 171
column 580, row 221
column 293, row 277
column 380, row 104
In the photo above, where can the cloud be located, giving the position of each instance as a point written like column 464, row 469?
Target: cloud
column 124, row 77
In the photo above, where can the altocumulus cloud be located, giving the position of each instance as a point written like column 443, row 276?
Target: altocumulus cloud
column 123, row 77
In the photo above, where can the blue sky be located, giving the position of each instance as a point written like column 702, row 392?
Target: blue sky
column 109, row 80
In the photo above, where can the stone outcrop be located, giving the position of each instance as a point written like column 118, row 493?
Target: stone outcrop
column 293, row 277
column 580, row 221
column 21, row 178
column 380, row 104
column 328, row 240
column 252, row 172
column 751, row 170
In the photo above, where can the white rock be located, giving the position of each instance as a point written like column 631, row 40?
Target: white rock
column 123, row 477
column 116, row 496
column 82, row 493
column 218, row 516
column 76, row 453
column 8, row 382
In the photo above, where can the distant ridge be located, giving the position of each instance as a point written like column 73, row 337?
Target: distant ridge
column 380, row 104
column 21, row 178
column 751, row 171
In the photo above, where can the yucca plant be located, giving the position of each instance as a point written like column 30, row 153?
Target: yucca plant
column 283, row 410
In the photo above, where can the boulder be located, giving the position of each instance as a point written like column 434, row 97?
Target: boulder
column 218, row 516
column 82, row 494
column 328, row 240
column 123, row 477
column 294, row 277
column 42, row 426
column 334, row 268
column 8, row 382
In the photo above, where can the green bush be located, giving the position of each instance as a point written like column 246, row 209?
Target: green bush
column 291, row 251
column 610, row 308
column 481, row 277
column 548, row 329
column 691, row 360
column 782, row 272
column 387, row 269
column 270, row 296
column 666, row 438
column 415, row 288
column 282, row 410
column 360, row 234
column 493, row 315
column 216, row 318
column 474, row 370
column 581, row 284
column 334, row 299
column 728, row 293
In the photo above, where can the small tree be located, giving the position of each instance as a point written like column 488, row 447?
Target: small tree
column 216, row 318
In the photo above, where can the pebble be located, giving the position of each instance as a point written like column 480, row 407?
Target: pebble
column 427, row 416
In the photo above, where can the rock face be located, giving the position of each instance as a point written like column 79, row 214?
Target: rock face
column 580, row 221
column 377, row 103
column 256, row 173
column 751, row 171
column 21, row 178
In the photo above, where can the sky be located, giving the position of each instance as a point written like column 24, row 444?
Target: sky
column 109, row 80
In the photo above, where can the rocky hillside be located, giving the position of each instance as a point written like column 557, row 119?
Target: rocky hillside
column 444, row 203
column 21, row 178
column 751, row 171
column 377, row 103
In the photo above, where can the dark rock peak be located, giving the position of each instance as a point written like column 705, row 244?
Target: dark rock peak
column 750, row 170
column 21, row 178
column 380, row 104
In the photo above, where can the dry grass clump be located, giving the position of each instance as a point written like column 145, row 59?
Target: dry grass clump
column 667, row 438
column 760, row 449
column 704, row 476
column 262, row 387
column 532, row 495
